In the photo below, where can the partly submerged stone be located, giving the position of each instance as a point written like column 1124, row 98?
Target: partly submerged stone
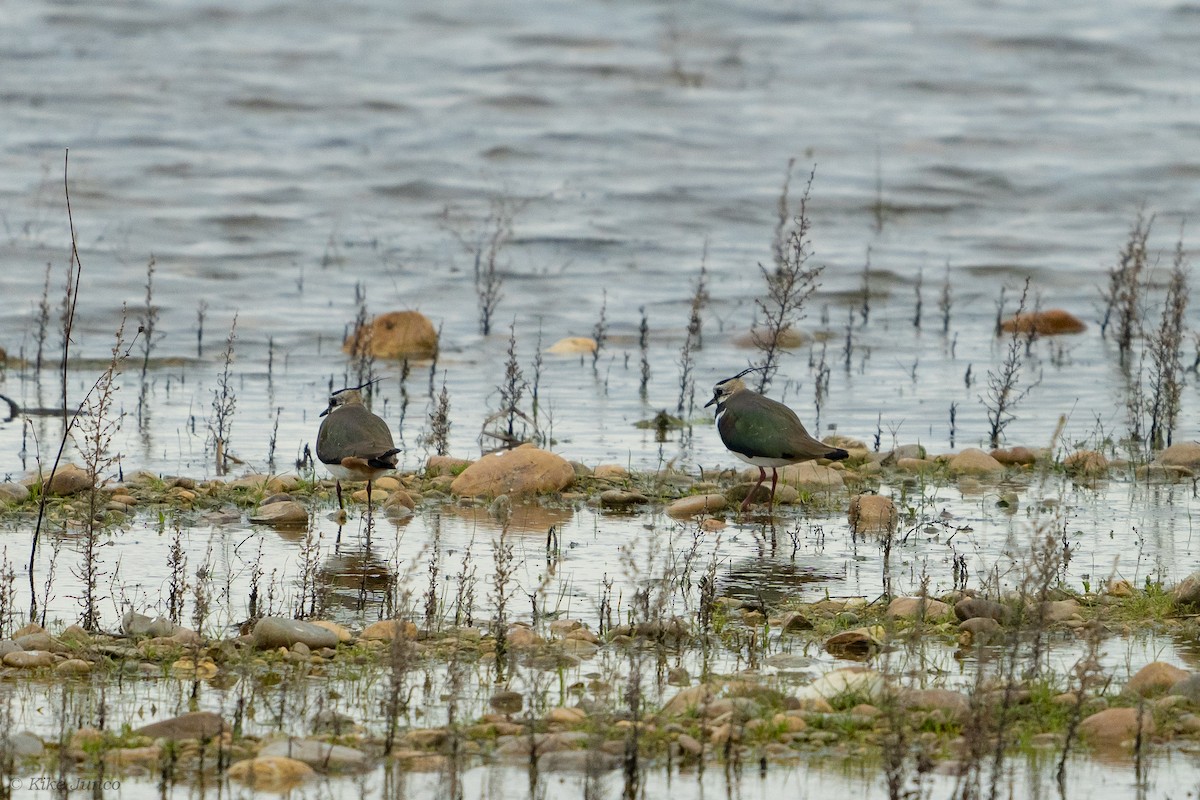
column 857, row 645
column 972, row 607
column 396, row 334
column 1187, row 591
column 29, row 659
column 609, row 472
column 918, row 608
column 861, row 681
column 872, row 513
column 287, row 513
column 385, row 630
column 809, row 475
column 1090, row 463
column 524, row 471
column 272, row 632
column 445, row 465
column 200, row 725
column 953, row 703
column 696, row 505
column 1181, row 454
column 68, row 479
column 507, row 702
column 622, row 498
column 1022, row 456
column 1114, row 726
column 270, row 773
column 1155, row 678
column 13, row 493
column 319, row 755
column 135, row 624
column 573, row 345
column 1051, row 322
column 974, row 461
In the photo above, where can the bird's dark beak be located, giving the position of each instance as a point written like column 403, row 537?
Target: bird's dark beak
column 328, row 408
column 710, row 402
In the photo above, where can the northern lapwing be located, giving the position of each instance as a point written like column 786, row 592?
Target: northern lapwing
column 763, row 432
column 353, row 443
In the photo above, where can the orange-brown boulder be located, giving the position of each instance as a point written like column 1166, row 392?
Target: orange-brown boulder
column 523, row 471
column 1044, row 323
column 397, row 334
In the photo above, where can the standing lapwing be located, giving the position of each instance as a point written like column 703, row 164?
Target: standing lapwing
column 353, row 443
column 763, row 432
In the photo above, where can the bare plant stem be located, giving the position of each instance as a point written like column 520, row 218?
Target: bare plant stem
column 789, row 284
column 1004, row 390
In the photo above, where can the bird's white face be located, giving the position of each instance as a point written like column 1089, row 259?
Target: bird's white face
column 723, row 391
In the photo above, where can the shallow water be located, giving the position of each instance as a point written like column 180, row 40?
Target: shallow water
column 273, row 157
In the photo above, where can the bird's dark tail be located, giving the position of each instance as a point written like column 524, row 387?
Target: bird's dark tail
column 837, row 454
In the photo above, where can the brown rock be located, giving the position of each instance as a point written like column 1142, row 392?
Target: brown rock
column 287, row 513
column 397, row 334
column 201, row 725
column 566, row 716
column 610, row 472
column 918, row 607
column 523, row 471
column 696, row 505
column 689, row 745
column 1155, row 678
column 507, row 702
column 271, row 773
column 974, row 461
column 387, row 629
column 341, row 633
column 29, row 659
column 573, row 345
column 692, row 697
column 1187, row 591
column 809, row 475
column 1059, row 610
column 123, row 757
column 69, row 479
column 979, row 625
column 519, row 637
column 1015, row 456
column 1051, row 322
column 1086, row 462
column 856, row 645
column 620, row 498
column 445, row 465
column 872, row 513
column 953, row 703
column 1181, row 454
column 1113, row 726
column 971, row 607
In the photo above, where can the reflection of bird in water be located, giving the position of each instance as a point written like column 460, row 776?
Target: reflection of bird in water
column 353, row 443
column 768, row 582
column 763, row 432
column 353, row 577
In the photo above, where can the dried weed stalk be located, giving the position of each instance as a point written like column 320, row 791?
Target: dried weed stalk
column 789, row 284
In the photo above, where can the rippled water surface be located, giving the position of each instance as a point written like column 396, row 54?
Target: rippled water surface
column 279, row 160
